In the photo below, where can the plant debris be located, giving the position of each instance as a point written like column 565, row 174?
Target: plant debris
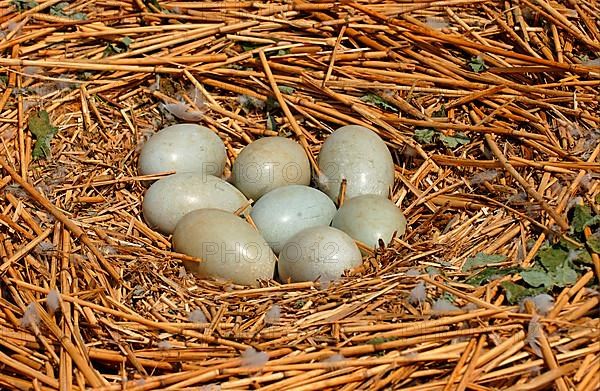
column 490, row 109
column 39, row 125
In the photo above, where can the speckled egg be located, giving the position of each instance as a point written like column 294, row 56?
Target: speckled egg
column 358, row 155
column 370, row 217
column 269, row 163
column 287, row 210
column 172, row 197
column 183, row 148
column 230, row 248
column 317, row 252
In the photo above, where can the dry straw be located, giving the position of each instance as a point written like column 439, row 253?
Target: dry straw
column 517, row 80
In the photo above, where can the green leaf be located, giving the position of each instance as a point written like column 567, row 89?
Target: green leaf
column 59, row 10
column 583, row 57
column 449, row 297
column 78, row 16
column 380, row 340
column 39, row 125
column 592, row 222
column 481, row 259
column 552, row 258
column 378, row 101
column 118, row 47
column 84, row 75
column 477, row 64
column 425, row 136
column 250, row 103
column 582, row 217
column 271, row 104
column 428, row 136
column 271, row 123
column 23, row 5
column 110, row 49
column 514, row 292
column 564, row 276
column 286, row 90
column 247, row 46
column 433, row 271
column 489, row 274
column 568, row 244
column 454, row 141
column 582, row 256
column 127, row 41
column 440, row 113
column 593, row 242
column 537, row 277
column 41, row 148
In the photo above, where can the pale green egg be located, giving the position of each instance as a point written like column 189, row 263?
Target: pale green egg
column 183, row 148
column 269, row 163
column 317, row 252
column 172, row 197
column 230, row 248
column 287, row 210
column 370, row 217
column 358, row 155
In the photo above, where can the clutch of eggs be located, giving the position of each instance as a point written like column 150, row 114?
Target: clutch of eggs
column 290, row 218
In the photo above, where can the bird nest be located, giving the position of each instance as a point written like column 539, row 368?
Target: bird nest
column 490, row 109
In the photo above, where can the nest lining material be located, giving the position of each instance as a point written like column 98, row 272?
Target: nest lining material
column 490, row 109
